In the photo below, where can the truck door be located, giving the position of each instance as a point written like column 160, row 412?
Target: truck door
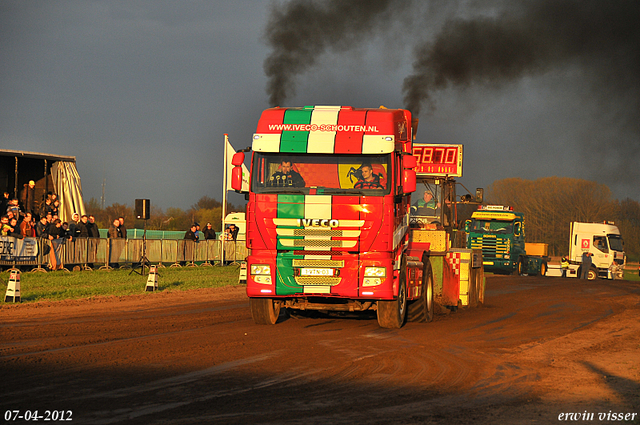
column 600, row 252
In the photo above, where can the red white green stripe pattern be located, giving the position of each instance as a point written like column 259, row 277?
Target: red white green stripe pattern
column 325, row 129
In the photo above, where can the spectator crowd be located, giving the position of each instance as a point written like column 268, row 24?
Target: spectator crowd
column 26, row 220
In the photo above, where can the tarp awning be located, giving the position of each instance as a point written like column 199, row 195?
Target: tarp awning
column 67, row 185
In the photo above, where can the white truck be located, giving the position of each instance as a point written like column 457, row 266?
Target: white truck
column 606, row 246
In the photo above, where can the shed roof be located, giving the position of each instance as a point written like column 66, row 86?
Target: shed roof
column 37, row 155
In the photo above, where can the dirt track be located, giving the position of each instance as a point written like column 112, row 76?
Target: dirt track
column 539, row 347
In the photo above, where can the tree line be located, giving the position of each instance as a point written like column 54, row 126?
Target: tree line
column 550, row 204
column 206, row 210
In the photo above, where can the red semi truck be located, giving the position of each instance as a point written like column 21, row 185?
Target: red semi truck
column 328, row 215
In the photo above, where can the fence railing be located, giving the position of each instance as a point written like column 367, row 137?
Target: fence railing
column 100, row 253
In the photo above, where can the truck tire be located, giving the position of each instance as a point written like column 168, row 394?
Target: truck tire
column 480, row 285
column 520, row 267
column 473, row 288
column 421, row 310
column 543, row 268
column 593, row 273
column 265, row 311
column 391, row 314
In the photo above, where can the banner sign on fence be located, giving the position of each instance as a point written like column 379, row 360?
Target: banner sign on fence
column 12, row 249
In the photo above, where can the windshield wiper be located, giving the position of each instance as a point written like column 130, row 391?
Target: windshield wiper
column 282, row 191
column 344, row 192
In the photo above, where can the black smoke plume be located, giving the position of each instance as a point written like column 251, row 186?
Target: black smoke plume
column 530, row 38
column 302, row 30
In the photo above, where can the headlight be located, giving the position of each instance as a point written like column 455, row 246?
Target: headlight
column 261, row 269
column 373, row 276
column 371, row 281
column 375, row 272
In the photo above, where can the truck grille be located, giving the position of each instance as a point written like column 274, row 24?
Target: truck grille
column 292, row 235
column 314, row 232
column 317, row 280
column 298, row 262
column 295, row 243
column 491, row 246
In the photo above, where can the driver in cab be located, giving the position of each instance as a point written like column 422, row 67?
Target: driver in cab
column 427, row 206
column 286, row 176
column 369, row 179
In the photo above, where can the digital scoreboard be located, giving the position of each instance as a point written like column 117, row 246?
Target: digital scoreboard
column 438, row 160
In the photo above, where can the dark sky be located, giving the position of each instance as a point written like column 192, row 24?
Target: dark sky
column 142, row 92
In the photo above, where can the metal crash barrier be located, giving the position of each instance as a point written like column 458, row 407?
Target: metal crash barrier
column 37, row 254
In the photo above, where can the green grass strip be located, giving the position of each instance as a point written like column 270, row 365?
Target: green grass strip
column 61, row 285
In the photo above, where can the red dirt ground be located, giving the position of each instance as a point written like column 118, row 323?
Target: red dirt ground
column 537, row 349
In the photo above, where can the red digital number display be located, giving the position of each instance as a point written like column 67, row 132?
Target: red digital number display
column 438, row 160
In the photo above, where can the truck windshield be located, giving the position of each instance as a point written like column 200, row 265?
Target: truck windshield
column 616, row 243
column 491, row 226
column 329, row 174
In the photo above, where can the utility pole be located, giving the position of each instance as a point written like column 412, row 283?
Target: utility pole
column 104, row 182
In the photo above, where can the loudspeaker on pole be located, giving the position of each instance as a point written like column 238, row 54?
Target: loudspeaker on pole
column 13, row 288
column 143, row 209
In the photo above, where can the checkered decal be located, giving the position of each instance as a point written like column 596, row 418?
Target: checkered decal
column 453, row 258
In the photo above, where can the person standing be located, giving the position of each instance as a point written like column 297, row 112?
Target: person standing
column 14, row 229
column 55, row 207
column 564, row 263
column 586, row 265
column 14, row 208
column 56, row 236
column 82, row 227
column 94, row 231
column 45, row 207
column 81, row 240
column 209, row 233
column 190, row 240
column 94, row 240
column 73, row 225
column 234, row 232
column 4, row 203
column 5, row 228
column 27, row 227
column 42, row 228
column 28, row 197
column 121, row 228
column 115, row 244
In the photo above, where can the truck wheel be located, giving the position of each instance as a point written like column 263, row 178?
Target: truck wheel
column 543, row 268
column 391, row 314
column 593, row 274
column 520, row 268
column 473, row 288
column 265, row 311
column 421, row 310
column 480, row 286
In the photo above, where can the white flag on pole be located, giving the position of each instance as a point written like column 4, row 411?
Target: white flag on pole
column 245, row 172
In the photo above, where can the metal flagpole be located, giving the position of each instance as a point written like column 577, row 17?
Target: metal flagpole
column 224, row 199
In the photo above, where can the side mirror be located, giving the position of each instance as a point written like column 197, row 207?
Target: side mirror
column 238, row 158
column 467, row 226
column 236, row 175
column 409, row 161
column 408, row 181
column 517, row 228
